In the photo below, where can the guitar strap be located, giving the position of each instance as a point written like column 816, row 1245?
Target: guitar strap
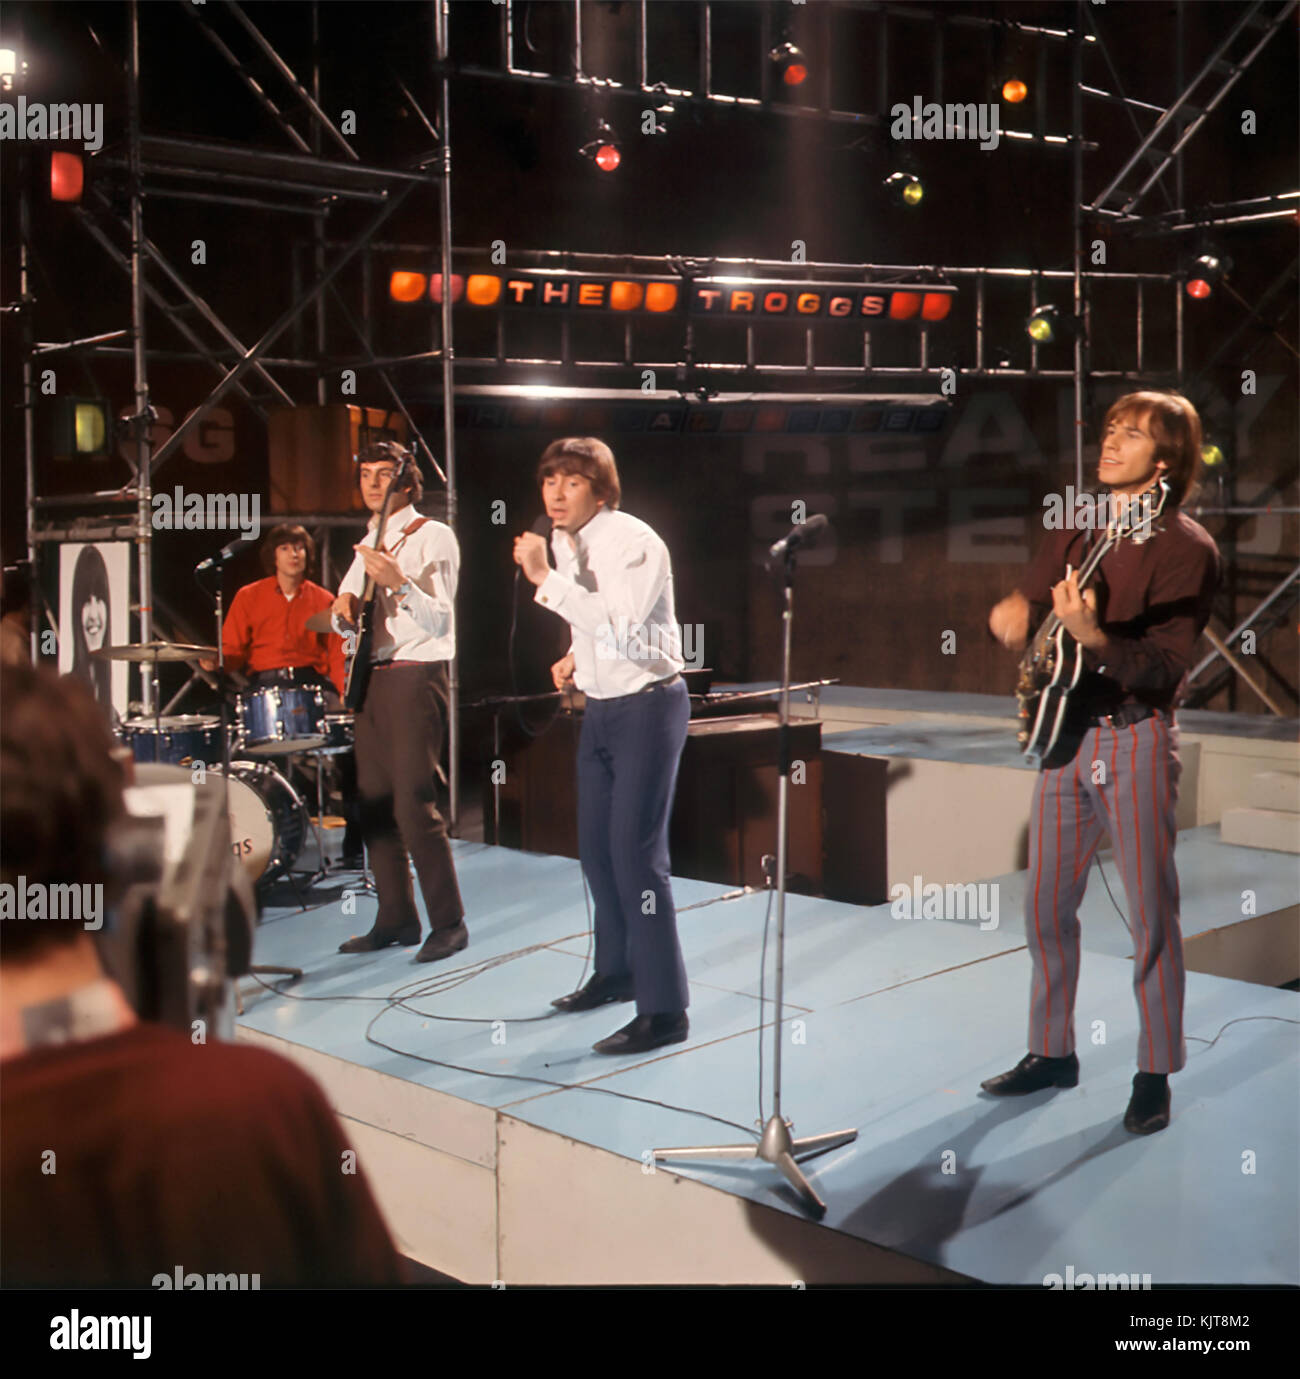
column 407, row 531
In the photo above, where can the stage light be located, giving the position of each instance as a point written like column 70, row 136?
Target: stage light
column 904, row 189
column 626, row 296
column 483, row 289
column 936, row 306
column 661, row 296
column 435, row 287
column 1014, row 91
column 81, row 428
column 1046, row 324
column 67, row 176
column 8, row 68
column 790, row 62
column 604, row 150
column 406, row 287
column 1205, row 275
column 1211, row 456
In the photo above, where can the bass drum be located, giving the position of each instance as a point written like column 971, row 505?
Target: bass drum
column 266, row 821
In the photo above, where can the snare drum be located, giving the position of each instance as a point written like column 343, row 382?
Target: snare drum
column 279, row 719
column 266, row 820
column 176, row 740
column 339, row 731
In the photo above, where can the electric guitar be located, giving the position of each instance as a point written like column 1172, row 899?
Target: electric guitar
column 1051, row 667
column 356, row 679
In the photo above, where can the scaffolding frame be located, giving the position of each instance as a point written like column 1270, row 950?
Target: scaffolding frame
column 271, row 180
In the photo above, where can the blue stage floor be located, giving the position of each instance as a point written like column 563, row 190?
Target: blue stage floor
column 900, row 1019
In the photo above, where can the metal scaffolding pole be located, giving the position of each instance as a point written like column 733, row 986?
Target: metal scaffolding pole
column 144, row 528
column 448, row 396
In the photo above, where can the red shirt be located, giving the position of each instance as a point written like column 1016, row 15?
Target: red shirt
column 129, row 1156
column 266, row 631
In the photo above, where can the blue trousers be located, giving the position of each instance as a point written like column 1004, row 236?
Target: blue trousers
column 628, row 756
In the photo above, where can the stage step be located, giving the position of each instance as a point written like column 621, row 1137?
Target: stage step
column 1277, row 830
column 1274, row 790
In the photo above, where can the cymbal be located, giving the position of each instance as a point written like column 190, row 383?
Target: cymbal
column 321, row 622
column 156, row 651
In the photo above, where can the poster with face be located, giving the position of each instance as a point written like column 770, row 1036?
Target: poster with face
column 94, row 611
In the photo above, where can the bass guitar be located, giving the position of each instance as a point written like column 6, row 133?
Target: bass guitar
column 356, row 678
column 1052, row 664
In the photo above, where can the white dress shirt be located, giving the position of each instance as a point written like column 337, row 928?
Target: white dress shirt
column 614, row 586
column 417, row 622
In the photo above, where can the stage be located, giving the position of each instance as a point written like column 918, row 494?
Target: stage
column 502, row 1148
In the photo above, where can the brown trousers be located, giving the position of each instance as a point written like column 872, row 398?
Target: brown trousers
column 398, row 743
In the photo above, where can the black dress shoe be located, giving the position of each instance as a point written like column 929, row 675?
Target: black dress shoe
column 442, row 943
column 380, row 938
column 1148, row 1107
column 647, row 1032
column 1033, row 1073
column 599, row 991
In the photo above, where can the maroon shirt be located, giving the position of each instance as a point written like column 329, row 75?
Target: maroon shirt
column 1153, row 601
column 216, row 1158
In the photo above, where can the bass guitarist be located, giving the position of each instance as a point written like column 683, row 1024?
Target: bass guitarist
column 1114, row 768
column 402, row 588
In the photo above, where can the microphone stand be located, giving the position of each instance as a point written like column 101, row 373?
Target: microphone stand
column 776, row 1145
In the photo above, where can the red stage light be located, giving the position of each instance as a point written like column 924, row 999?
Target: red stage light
column 435, row 287
column 1198, row 288
column 1014, row 91
column 904, row 305
column 935, row 306
column 795, row 75
column 607, row 157
column 67, row 176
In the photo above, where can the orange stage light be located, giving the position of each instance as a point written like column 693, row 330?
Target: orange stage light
column 406, row 287
column 660, row 296
column 1014, row 91
column 626, row 296
column 483, row 289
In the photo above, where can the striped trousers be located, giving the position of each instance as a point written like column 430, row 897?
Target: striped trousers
column 1122, row 782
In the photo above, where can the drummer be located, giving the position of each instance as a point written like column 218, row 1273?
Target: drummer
column 265, row 631
column 266, row 636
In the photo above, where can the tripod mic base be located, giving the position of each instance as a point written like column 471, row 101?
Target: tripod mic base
column 778, row 1148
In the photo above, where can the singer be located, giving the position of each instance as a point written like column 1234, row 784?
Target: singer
column 613, row 584
column 399, row 726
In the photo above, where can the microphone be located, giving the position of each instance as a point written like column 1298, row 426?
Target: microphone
column 225, row 553
column 801, row 534
column 543, row 527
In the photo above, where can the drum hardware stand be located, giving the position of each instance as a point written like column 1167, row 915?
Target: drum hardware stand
column 294, row 972
column 777, row 1146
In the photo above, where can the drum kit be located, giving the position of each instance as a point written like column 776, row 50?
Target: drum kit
column 268, row 819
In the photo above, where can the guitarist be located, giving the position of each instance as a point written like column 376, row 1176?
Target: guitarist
column 1115, row 768
column 400, row 721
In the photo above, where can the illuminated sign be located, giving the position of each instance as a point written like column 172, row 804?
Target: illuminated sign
column 809, row 302
column 729, row 299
